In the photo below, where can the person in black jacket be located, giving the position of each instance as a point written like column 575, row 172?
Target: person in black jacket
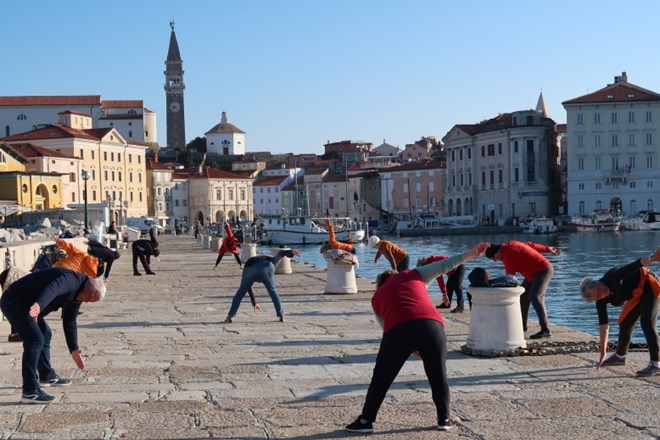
column 143, row 249
column 27, row 301
column 105, row 255
column 638, row 290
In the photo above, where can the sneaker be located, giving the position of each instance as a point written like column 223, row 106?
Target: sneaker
column 281, row 318
column 614, row 360
column 446, row 425
column 37, row 396
column 228, row 320
column 443, row 306
column 57, row 381
column 541, row 334
column 650, row 370
column 457, row 310
column 360, row 425
column 151, row 273
column 137, row 274
column 14, row 337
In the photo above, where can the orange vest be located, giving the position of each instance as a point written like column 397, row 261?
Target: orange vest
column 645, row 276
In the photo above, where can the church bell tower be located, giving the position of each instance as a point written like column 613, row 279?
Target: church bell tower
column 174, row 86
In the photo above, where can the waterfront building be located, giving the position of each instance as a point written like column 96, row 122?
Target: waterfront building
column 180, row 213
column 503, row 167
column 215, row 196
column 613, row 160
column 412, row 189
column 174, row 88
column 116, row 166
column 130, row 118
column 266, row 195
column 159, row 196
column 225, row 139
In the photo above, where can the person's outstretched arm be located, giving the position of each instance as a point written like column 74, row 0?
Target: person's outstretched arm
column 431, row 271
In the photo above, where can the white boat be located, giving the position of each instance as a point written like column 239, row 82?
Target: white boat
column 539, row 225
column 293, row 230
column 430, row 225
column 601, row 220
column 646, row 221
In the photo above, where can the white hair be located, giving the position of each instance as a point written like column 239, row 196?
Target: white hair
column 98, row 286
column 373, row 241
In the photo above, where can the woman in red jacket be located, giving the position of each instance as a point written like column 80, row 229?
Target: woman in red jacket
column 526, row 259
column 411, row 324
column 229, row 244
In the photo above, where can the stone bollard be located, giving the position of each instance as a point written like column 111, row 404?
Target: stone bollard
column 206, row 242
column 495, row 321
column 340, row 278
column 216, row 242
column 285, row 263
column 248, row 250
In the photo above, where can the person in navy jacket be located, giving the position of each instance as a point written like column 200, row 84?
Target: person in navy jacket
column 26, row 303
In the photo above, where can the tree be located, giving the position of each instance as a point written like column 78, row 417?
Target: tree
column 198, row 144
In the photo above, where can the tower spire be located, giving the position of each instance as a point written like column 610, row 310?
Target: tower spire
column 174, row 87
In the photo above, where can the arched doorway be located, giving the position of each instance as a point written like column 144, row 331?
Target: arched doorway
column 616, row 205
column 200, row 217
column 42, row 201
column 450, row 207
column 458, row 207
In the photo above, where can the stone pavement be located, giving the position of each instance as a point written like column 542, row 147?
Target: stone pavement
column 161, row 364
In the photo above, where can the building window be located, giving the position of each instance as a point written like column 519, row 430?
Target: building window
column 105, row 174
column 632, row 185
column 483, row 178
column 218, row 194
column 649, row 162
column 130, row 158
column 499, row 148
column 597, row 163
column 649, row 116
column 615, row 162
column 242, row 194
column 580, row 119
column 580, row 164
column 615, row 118
column 596, row 140
column 580, row 141
column 598, row 186
column 631, row 163
column 631, row 139
column 631, row 117
column 483, row 151
column 615, row 140
column 516, row 174
column 596, row 118
column 94, row 195
column 491, row 149
column 140, row 196
column 93, row 154
column 492, row 177
column 230, row 194
column 649, row 138
column 105, row 155
column 158, row 191
column 500, row 176
column 581, row 186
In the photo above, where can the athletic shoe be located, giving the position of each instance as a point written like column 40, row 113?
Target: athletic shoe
column 446, row 425
column 151, row 273
column 228, row 320
column 14, row 337
column 614, row 360
column 443, row 306
column 541, row 334
column 457, row 310
column 281, row 318
column 360, row 425
column 57, row 381
column 37, row 396
column 650, row 370
column 137, row 274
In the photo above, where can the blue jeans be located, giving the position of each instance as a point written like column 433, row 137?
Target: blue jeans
column 264, row 272
column 36, row 342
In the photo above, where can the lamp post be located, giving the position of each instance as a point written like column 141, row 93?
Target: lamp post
column 85, row 176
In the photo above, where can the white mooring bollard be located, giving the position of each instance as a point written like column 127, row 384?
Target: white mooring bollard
column 340, row 278
column 248, row 250
column 285, row 263
column 495, row 321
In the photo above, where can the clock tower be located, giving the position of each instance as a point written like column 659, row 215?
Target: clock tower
column 176, row 121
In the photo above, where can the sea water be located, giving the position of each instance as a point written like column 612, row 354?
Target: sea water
column 583, row 254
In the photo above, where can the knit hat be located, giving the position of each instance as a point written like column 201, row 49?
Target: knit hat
column 492, row 250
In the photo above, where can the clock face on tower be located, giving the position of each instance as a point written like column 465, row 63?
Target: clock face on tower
column 175, row 107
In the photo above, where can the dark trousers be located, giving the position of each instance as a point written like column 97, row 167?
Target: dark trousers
column 36, row 342
column 646, row 312
column 455, row 284
column 145, row 260
column 535, row 294
column 428, row 338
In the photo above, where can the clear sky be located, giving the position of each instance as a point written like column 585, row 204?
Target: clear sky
column 294, row 74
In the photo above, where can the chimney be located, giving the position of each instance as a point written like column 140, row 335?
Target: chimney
column 223, row 119
column 622, row 78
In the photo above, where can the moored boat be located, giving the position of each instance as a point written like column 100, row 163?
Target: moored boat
column 540, row 225
column 646, row 221
column 600, row 220
column 294, row 230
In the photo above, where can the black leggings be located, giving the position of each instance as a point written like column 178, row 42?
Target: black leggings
column 455, row 284
column 238, row 259
column 646, row 312
column 428, row 338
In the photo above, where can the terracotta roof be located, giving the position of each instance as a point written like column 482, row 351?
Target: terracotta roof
column 225, row 127
column 499, row 122
column 52, row 131
column 31, row 150
column 50, row 100
column 69, row 112
column 270, row 181
column 158, row 166
column 620, row 91
column 210, row 173
column 135, row 103
column 426, row 165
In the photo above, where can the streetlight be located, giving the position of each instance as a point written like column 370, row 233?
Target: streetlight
column 85, row 176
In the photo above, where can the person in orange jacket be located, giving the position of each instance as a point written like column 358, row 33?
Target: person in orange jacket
column 76, row 259
column 332, row 241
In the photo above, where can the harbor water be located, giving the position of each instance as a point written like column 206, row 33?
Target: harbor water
column 583, row 254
